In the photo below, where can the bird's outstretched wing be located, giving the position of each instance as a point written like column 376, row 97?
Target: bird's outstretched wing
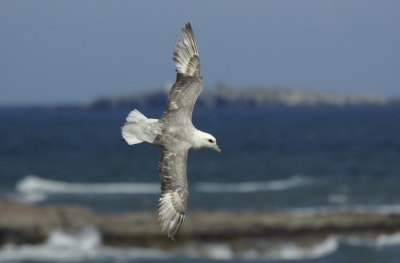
column 188, row 85
column 172, row 205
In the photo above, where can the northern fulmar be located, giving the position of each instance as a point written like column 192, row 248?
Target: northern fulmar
column 175, row 134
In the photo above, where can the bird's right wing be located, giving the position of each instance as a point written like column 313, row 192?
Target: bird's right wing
column 172, row 205
column 188, row 85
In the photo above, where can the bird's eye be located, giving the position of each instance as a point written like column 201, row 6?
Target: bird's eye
column 210, row 141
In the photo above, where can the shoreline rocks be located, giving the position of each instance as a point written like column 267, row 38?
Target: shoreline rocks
column 21, row 224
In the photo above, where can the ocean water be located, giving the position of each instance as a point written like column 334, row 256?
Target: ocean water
column 284, row 159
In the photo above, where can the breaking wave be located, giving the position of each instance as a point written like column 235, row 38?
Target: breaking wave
column 379, row 241
column 35, row 184
column 86, row 246
column 32, row 189
column 83, row 246
column 378, row 209
column 247, row 187
column 293, row 252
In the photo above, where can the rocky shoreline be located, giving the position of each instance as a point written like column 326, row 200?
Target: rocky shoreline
column 22, row 224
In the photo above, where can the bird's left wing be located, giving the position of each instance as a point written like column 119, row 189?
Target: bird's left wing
column 172, row 205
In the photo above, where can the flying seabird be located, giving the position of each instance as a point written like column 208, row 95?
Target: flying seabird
column 175, row 134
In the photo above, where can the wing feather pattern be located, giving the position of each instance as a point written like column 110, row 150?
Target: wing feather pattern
column 188, row 85
column 172, row 205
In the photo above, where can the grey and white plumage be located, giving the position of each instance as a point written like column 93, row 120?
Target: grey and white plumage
column 175, row 134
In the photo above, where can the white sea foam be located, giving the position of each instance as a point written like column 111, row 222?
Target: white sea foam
column 27, row 197
column 33, row 184
column 247, row 187
column 83, row 246
column 293, row 252
column 388, row 240
column 337, row 198
column 32, row 189
column 86, row 245
column 217, row 251
column 379, row 209
column 58, row 247
column 379, row 241
column 330, row 245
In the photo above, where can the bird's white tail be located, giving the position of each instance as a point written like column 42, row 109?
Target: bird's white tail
column 139, row 129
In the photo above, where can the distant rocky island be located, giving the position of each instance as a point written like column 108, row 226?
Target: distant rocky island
column 224, row 96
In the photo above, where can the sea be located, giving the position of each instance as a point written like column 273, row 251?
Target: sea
column 305, row 160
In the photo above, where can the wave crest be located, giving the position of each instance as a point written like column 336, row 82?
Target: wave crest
column 34, row 184
column 86, row 245
column 34, row 189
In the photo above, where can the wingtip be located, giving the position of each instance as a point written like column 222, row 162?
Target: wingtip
column 187, row 30
column 173, row 232
column 188, row 26
column 186, row 55
column 170, row 219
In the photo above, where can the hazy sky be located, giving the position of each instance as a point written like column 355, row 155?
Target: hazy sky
column 75, row 51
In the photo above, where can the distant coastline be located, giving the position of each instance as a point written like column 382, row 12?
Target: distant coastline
column 226, row 97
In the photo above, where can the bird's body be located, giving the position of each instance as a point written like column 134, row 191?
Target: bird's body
column 175, row 134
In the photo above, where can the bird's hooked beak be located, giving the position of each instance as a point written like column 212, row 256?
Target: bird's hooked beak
column 216, row 148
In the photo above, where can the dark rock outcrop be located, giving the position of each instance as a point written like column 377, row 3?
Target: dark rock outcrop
column 30, row 224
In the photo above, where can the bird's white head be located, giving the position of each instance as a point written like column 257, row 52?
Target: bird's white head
column 205, row 140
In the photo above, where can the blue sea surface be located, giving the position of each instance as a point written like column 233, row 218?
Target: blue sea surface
column 283, row 159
